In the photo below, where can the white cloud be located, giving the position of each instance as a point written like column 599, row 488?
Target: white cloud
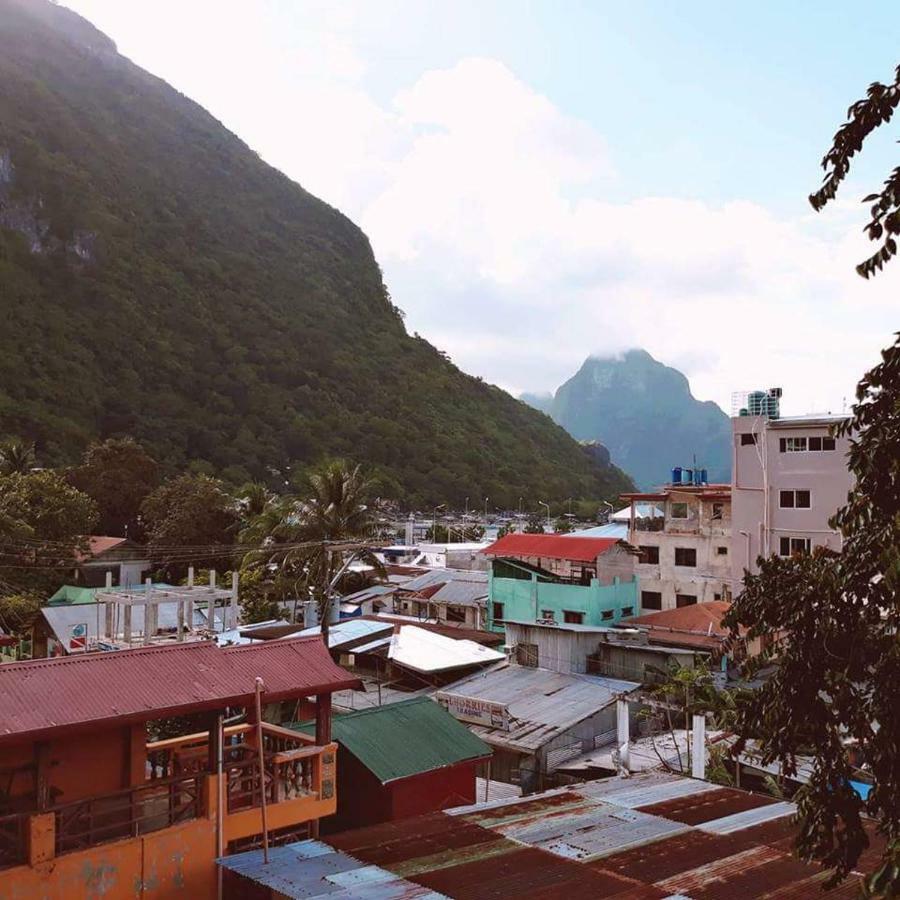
column 492, row 213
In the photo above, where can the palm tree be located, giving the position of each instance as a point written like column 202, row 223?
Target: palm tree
column 253, row 499
column 16, row 457
column 336, row 510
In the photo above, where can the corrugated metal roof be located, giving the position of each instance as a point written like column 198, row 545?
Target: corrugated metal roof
column 550, row 546
column 344, row 633
column 308, row 870
column 541, row 703
column 48, row 695
column 579, row 842
column 424, row 651
column 460, row 587
column 697, row 808
column 405, row 739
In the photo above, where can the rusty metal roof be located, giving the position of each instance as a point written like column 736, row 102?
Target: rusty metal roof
column 622, row 838
column 46, row 696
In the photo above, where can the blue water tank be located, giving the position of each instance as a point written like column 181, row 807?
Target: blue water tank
column 704, row 476
column 676, row 475
column 698, row 477
column 687, row 476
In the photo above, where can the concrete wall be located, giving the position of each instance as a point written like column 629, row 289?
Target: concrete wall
column 527, row 599
column 760, row 471
column 710, row 579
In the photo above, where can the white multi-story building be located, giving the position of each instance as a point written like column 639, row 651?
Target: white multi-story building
column 684, row 544
column 789, row 477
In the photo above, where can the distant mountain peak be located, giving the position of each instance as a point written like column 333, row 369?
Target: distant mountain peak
column 643, row 411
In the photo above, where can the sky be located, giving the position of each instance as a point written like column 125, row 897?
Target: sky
column 542, row 181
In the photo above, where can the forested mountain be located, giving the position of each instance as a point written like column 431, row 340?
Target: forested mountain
column 159, row 280
column 644, row 413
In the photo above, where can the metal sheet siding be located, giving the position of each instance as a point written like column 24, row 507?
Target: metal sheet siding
column 41, row 696
column 696, row 808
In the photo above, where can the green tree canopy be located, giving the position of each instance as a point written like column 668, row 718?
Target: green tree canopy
column 119, row 474
column 44, row 523
column 16, row 457
column 833, row 694
column 190, row 519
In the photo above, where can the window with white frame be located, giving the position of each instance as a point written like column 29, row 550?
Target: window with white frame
column 806, row 444
column 794, row 499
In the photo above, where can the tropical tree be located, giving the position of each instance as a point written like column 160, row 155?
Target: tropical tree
column 296, row 536
column 44, row 524
column 16, row 457
column 534, row 525
column 835, row 618
column 119, row 474
column 190, row 519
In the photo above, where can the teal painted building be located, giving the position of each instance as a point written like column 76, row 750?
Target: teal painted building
column 526, row 593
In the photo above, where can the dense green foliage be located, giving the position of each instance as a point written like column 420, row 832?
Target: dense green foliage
column 837, row 616
column 190, row 520
column 160, row 281
column 43, row 521
column 643, row 412
column 119, row 474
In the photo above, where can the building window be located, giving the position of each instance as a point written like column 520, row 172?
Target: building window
column 570, row 617
column 804, row 445
column 678, row 510
column 788, row 546
column 527, row 655
column 456, row 614
column 794, row 499
column 717, row 596
column 651, row 600
column 718, row 510
column 627, row 610
column 496, row 611
column 606, row 614
column 649, row 554
column 721, row 551
column 685, row 556
column 684, row 600
column 548, row 615
column 793, row 445
column 748, row 439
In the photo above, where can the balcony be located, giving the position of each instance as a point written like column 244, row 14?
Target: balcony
column 297, row 778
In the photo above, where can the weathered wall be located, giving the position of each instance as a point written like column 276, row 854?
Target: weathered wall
column 176, row 862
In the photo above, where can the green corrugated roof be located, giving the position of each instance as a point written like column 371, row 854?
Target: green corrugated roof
column 406, row 738
column 70, row 593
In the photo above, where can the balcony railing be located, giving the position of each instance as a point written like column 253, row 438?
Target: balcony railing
column 13, row 839
column 128, row 813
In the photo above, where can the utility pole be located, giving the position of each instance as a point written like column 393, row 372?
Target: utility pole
column 485, row 508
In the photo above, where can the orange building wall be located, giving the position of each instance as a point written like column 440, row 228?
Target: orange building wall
column 84, row 765
column 176, row 862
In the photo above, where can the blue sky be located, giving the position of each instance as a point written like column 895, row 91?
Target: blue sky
column 541, row 181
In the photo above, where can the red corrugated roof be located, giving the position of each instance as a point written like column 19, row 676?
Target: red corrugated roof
column 551, row 546
column 72, row 692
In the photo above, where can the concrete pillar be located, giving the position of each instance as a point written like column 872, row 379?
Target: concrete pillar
column 623, row 736
column 233, row 603
column 181, row 606
column 190, row 583
column 698, row 748
column 126, row 624
column 149, row 627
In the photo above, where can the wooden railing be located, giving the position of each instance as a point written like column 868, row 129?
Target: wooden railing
column 128, row 813
column 291, row 758
column 13, row 841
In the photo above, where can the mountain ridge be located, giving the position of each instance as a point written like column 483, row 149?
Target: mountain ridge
column 161, row 280
column 646, row 415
